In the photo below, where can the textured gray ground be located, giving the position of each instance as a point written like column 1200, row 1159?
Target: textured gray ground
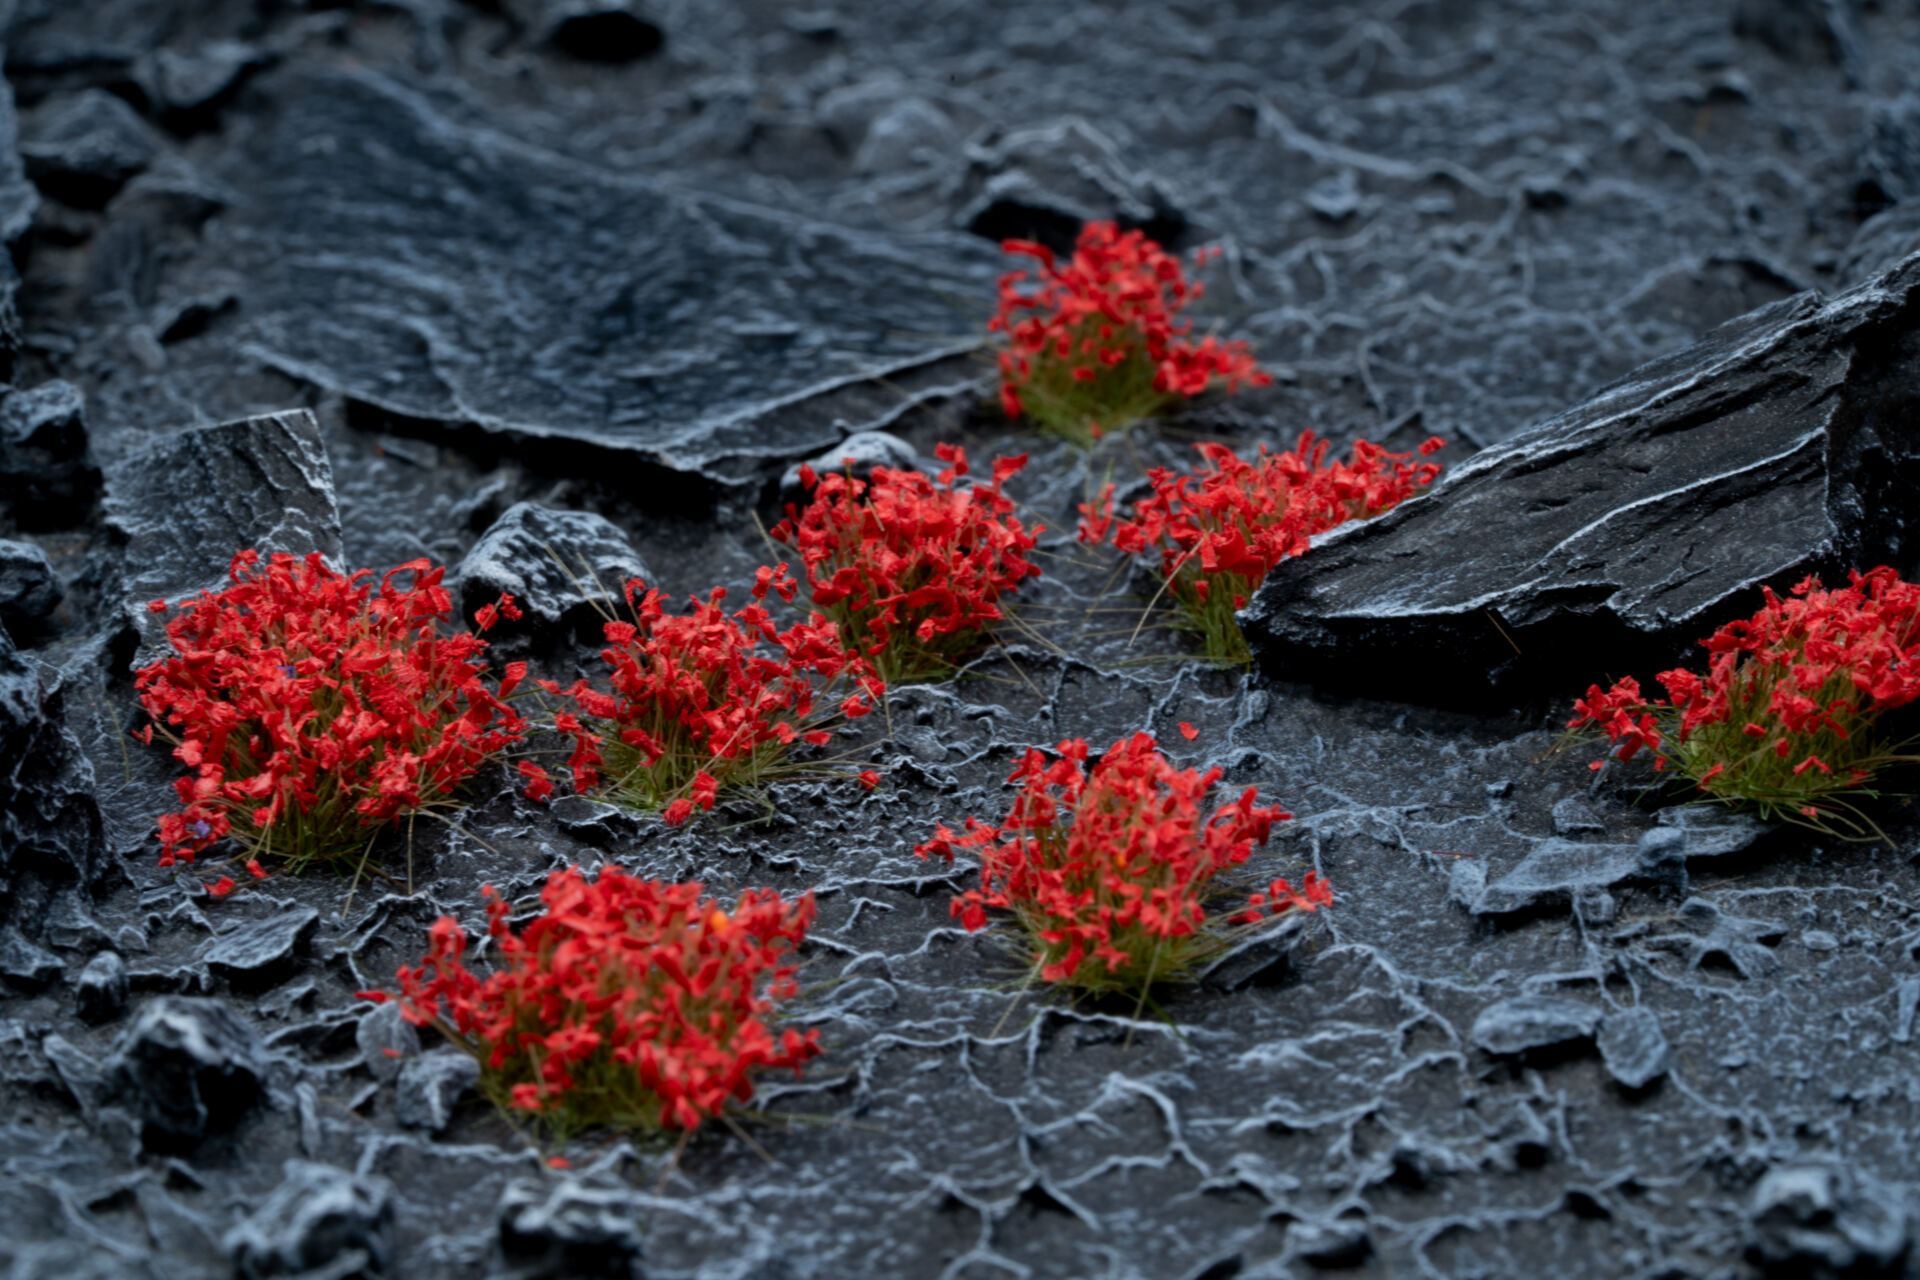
column 1548, row 1030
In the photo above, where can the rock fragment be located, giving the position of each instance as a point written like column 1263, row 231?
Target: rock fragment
column 1633, row 1047
column 430, row 1086
column 186, row 1068
column 1044, row 182
column 1821, row 1222
column 24, row 962
column 319, row 1221
column 252, row 953
column 46, row 466
column 187, row 87
column 558, row 565
column 83, row 148
column 51, row 828
column 1780, row 444
column 29, row 589
column 100, row 992
column 1525, row 1024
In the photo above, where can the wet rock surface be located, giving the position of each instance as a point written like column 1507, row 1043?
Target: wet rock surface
column 632, row 263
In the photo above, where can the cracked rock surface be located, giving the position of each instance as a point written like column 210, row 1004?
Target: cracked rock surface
column 371, row 277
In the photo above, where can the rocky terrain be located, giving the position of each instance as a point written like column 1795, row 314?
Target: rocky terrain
column 457, row 279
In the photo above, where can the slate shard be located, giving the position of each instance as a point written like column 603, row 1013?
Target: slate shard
column 1533, row 1023
column 100, row 992
column 187, row 502
column 1782, row 444
column 1633, row 1047
column 691, row 329
column 252, row 954
column 47, row 472
column 561, row 567
column 83, row 148
column 186, row 1068
column 1046, row 181
column 319, row 1221
column 51, row 829
column 29, row 589
column 431, row 1086
column 1823, row 1222
column 186, row 88
column 569, row 1228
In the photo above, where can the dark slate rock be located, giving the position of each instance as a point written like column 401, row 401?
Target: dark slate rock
column 18, row 201
column 51, row 828
column 1779, row 445
column 557, row 564
column 1882, row 241
column 1822, row 1222
column 319, row 1221
column 569, row 1228
column 691, row 330
column 1042, row 182
column 859, row 453
column 186, row 1068
column 386, row 1040
column 594, row 30
column 1343, row 1242
column 47, row 473
column 1523, row 1024
column 187, row 502
column 1633, row 1047
column 29, row 589
column 1892, row 159
column 1711, row 936
column 430, row 1086
column 187, row 87
column 100, row 992
column 81, row 149
column 253, row 953
column 24, row 962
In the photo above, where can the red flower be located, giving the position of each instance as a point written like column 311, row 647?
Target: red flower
column 708, row 699
column 539, row 781
column 220, row 888
column 869, row 778
column 1102, row 339
column 1110, row 868
column 311, row 707
column 1788, row 708
column 625, row 1001
column 912, row 569
column 1220, row 529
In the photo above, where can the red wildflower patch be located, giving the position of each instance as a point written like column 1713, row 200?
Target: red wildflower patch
column 1099, row 342
column 912, row 568
column 1111, row 868
column 313, row 707
column 1220, row 529
column 1787, row 715
column 626, row 1002
column 709, row 700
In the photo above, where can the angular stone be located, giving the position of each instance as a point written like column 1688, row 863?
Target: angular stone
column 83, row 148
column 187, row 502
column 1522, row 1024
column 684, row 362
column 1044, row 181
column 386, row 1040
column 1339, row 1243
column 1822, row 1222
column 51, row 827
column 568, row 1228
column 1633, row 1047
column 319, row 1221
column 186, row 1068
column 26, row 963
column 430, row 1086
column 186, row 87
column 29, row 589
column 46, row 467
column 100, row 992
column 254, row 952
column 1781, row 444
column 558, row 565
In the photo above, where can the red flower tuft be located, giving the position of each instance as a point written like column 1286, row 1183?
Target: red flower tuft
column 625, row 1001
column 1110, row 868
column 312, row 707
column 1100, row 341
column 912, row 569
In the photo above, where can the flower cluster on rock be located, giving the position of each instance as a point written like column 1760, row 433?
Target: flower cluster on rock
column 1097, row 342
column 1218, row 530
column 313, row 707
column 708, row 699
column 1111, row 867
column 1787, row 715
column 911, row 567
column 628, row 1002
